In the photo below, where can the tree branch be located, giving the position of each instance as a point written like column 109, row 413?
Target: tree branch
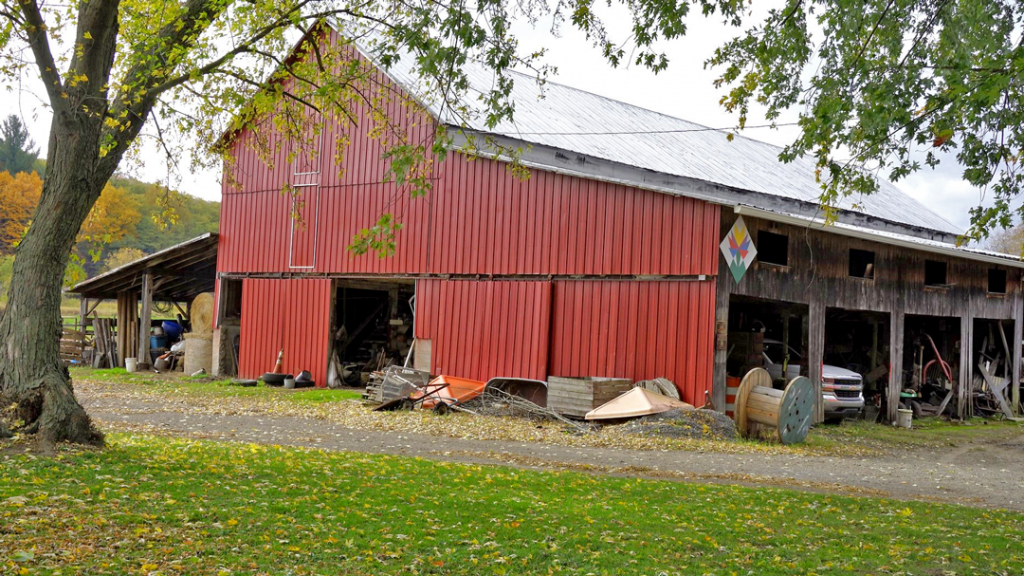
column 39, row 41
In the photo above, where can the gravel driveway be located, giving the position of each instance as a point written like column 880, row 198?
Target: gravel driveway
column 989, row 475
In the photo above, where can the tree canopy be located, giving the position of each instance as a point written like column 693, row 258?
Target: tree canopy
column 888, row 87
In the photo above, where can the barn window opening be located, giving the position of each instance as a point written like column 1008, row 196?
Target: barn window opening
column 773, row 248
column 231, row 299
column 934, row 273
column 862, row 264
column 996, row 281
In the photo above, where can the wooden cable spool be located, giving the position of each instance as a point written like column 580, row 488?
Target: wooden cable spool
column 789, row 411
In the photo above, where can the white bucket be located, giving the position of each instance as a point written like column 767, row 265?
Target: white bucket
column 905, row 418
column 289, row 383
column 131, row 364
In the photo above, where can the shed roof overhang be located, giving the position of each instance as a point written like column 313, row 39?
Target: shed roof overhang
column 180, row 273
column 893, row 239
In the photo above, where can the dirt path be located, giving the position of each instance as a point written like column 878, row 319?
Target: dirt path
column 986, row 475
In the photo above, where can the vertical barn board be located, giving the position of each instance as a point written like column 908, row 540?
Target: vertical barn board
column 305, row 220
column 1016, row 344
column 895, row 363
column 816, row 352
column 565, row 225
column 966, row 364
column 289, row 314
column 655, row 329
column 480, row 330
column 721, row 344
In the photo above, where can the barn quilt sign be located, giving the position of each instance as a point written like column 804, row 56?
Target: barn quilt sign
column 738, row 249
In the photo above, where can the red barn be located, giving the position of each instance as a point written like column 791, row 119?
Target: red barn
column 604, row 262
column 556, row 274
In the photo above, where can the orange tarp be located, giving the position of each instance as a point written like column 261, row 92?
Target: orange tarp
column 458, row 390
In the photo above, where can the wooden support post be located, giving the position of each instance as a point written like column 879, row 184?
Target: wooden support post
column 785, row 343
column 83, row 312
column 145, row 318
column 718, row 381
column 393, row 299
column 963, row 384
column 1018, row 333
column 816, row 353
column 187, row 316
column 874, row 343
column 896, row 321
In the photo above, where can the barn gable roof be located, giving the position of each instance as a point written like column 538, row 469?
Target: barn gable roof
column 663, row 151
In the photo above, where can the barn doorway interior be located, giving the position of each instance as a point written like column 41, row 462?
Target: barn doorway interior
column 230, row 325
column 770, row 334
column 991, row 366
column 858, row 340
column 372, row 327
column 925, row 384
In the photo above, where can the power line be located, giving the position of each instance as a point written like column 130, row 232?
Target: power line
column 642, row 132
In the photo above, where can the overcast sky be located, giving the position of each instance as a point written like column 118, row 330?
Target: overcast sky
column 685, row 90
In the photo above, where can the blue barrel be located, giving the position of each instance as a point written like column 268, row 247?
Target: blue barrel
column 157, row 342
column 172, row 330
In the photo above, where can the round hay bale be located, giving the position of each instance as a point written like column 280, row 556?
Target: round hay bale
column 202, row 314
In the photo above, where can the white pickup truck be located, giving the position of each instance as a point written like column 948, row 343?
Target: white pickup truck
column 841, row 389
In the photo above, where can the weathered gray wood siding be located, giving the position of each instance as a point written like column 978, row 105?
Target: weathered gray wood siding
column 818, row 275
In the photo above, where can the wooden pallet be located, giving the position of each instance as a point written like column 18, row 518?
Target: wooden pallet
column 574, row 397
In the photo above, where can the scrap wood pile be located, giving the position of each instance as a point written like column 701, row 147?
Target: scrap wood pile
column 931, row 383
column 990, row 391
column 494, row 401
column 647, row 408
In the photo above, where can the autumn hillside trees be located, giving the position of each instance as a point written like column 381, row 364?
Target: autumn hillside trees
column 114, row 216
column 19, row 195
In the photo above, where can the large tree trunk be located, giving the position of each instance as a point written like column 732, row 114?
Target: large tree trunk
column 31, row 373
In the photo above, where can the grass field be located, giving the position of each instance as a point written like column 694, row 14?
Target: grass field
column 204, row 386
column 154, row 506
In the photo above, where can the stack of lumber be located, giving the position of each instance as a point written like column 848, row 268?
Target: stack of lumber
column 103, row 341
column 574, row 397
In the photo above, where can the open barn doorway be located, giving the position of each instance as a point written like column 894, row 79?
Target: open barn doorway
column 372, row 327
column 930, row 364
column 769, row 334
column 229, row 327
column 858, row 341
column 992, row 361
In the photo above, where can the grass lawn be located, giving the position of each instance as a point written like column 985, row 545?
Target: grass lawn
column 927, row 433
column 151, row 505
column 178, row 384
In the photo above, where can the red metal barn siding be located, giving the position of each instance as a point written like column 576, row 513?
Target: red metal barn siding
column 256, row 226
column 481, row 330
column 634, row 329
column 487, row 221
column 289, row 314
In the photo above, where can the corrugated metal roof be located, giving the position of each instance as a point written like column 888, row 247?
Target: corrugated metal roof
column 884, row 237
column 187, row 269
column 574, row 120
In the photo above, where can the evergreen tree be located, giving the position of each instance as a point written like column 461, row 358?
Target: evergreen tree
column 17, row 150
